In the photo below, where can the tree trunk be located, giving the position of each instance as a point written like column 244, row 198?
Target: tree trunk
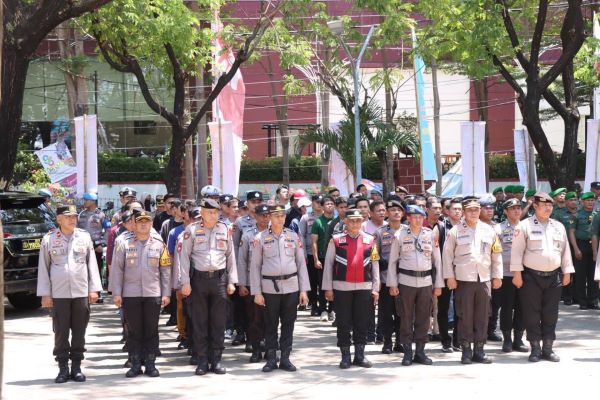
column 173, row 172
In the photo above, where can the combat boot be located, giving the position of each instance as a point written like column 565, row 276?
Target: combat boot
column 408, row 354
column 479, row 355
column 271, row 363
column 387, row 345
column 359, row 356
column 536, row 351
column 76, row 373
column 467, row 353
column 240, row 338
column 507, row 345
column 256, row 356
column 420, row 356
column 63, row 371
column 547, row 353
column 285, row 363
column 136, row 367
column 398, row 347
column 518, row 344
column 216, row 366
column 150, row 367
column 346, row 357
column 202, row 368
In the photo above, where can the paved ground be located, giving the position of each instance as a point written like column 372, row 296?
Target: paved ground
column 30, row 368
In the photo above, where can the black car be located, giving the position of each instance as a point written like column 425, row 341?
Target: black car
column 24, row 224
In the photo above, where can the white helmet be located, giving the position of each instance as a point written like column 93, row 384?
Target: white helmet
column 210, row 190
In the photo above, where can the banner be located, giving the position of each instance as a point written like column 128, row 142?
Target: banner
column 472, row 150
column 86, row 153
column 226, row 156
column 339, row 174
column 427, row 156
column 57, row 162
column 592, row 156
column 521, row 137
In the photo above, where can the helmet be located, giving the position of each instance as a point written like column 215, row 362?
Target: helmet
column 44, row 193
column 90, row 196
column 210, row 190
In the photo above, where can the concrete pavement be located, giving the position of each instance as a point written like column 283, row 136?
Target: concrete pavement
column 30, row 368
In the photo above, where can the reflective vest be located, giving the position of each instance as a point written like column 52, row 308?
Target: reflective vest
column 353, row 257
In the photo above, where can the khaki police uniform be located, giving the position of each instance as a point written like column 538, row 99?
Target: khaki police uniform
column 92, row 221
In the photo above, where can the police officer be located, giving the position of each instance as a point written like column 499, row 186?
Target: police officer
column 498, row 210
column 472, row 257
column 141, row 284
column 580, row 236
column 208, row 273
column 539, row 254
column 278, row 281
column 93, row 221
column 46, row 206
column 387, row 318
column 68, row 281
column 254, row 312
column 305, row 228
column 351, row 279
column 511, row 317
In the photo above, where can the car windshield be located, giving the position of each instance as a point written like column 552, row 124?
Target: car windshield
column 23, row 216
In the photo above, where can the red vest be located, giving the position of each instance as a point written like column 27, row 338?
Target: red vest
column 352, row 258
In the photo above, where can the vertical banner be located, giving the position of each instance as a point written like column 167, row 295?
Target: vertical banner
column 592, row 156
column 86, row 145
column 472, row 150
column 339, row 174
column 521, row 137
column 226, row 156
column 428, row 169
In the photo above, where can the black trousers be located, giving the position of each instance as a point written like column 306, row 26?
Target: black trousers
column 100, row 266
column 141, row 314
column 189, row 329
column 352, row 313
column 442, row 317
column 313, row 277
column 255, row 315
column 586, row 289
column 209, row 308
column 473, row 310
column 70, row 316
column 495, row 310
column 386, row 313
column 280, row 308
column 568, row 292
column 415, row 311
column 240, row 318
column 540, row 296
column 323, row 305
column 511, row 316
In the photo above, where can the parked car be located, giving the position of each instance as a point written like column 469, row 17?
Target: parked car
column 24, row 224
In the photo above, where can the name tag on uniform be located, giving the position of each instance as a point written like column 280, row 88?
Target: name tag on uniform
column 200, row 239
column 386, row 242
column 464, row 239
column 221, row 244
column 57, row 243
column 289, row 245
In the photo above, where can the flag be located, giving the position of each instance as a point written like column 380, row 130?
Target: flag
column 472, row 150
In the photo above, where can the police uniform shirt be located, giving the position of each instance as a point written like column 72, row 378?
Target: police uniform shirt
column 505, row 232
column 176, row 270
column 542, row 247
column 278, row 255
column 370, row 228
column 245, row 255
column 472, row 254
column 225, row 220
column 239, row 227
column 92, row 223
column 305, row 227
column 415, row 254
column 208, row 250
column 330, row 284
column 383, row 240
column 67, row 266
column 141, row 268
column 597, row 205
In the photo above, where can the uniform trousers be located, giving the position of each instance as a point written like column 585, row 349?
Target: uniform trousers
column 141, row 314
column 386, row 313
column 511, row 316
column 70, row 316
column 313, row 277
column 415, row 311
column 494, row 310
column 240, row 318
column 209, row 305
column 352, row 313
column 586, row 289
column 540, row 296
column 473, row 310
column 280, row 308
column 443, row 302
column 180, row 315
column 256, row 320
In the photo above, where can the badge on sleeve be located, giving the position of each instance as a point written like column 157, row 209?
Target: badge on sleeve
column 374, row 254
column 165, row 259
column 186, row 235
column 179, row 247
column 497, row 246
column 342, row 240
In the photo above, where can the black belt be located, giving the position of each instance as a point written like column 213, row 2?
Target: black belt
column 275, row 278
column 417, row 274
column 542, row 273
column 217, row 273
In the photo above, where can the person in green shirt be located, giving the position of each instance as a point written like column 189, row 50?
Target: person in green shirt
column 527, row 205
column 498, row 205
column 558, row 196
column 571, row 207
column 318, row 235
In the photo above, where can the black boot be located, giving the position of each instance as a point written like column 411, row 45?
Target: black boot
column 359, row 356
column 345, row 363
column 271, row 363
column 194, row 359
column 420, row 356
column 256, row 356
column 408, row 354
column 467, row 353
column 536, row 351
column 398, row 347
column 547, row 353
column 387, row 345
column 494, row 337
column 76, row 373
column 248, row 347
column 216, row 366
column 518, row 344
column 240, row 338
column 136, row 367
column 63, row 371
column 507, row 345
column 127, row 363
column 479, row 355
column 202, row 368
column 150, row 368
column 285, row 363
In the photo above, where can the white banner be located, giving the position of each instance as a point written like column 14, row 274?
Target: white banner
column 57, row 161
column 226, row 157
column 521, row 137
column 339, row 175
column 86, row 149
column 592, row 156
column 472, row 149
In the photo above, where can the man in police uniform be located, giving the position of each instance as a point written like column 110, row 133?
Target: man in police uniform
column 208, row 273
column 254, row 312
column 387, row 318
column 68, row 281
column 472, row 257
column 278, row 281
column 415, row 274
column 141, row 284
column 539, row 254
column 351, row 279
column 305, row 228
column 93, row 221
column 580, row 237
column 511, row 317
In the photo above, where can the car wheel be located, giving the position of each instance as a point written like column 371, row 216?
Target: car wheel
column 25, row 301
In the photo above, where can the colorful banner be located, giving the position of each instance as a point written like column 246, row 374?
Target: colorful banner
column 427, row 156
column 472, row 150
column 86, row 153
column 592, row 153
column 57, row 161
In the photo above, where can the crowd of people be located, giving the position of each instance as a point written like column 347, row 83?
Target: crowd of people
column 399, row 270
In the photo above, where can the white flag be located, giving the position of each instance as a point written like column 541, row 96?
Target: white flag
column 86, row 145
column 592, row 156
column 472, row 148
